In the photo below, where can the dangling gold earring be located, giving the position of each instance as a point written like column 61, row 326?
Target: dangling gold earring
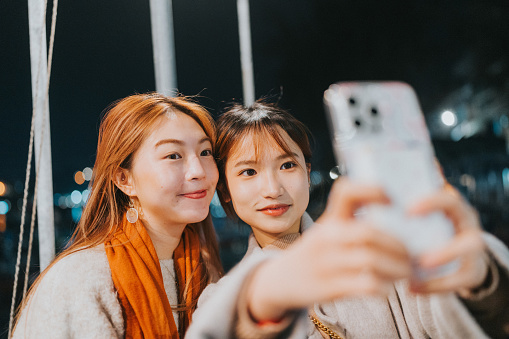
column 132, row 213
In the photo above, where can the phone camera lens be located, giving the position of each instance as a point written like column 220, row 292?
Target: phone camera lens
column 374, row 111
column 352, row 101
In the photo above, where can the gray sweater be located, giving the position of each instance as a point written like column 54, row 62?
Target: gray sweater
column 77, row 299
column 399, row 315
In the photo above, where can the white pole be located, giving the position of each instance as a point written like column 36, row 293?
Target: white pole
column 39, row 69
column 165, row 68
column 246, row 57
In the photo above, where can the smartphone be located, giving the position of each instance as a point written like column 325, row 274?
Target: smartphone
column 380, row 137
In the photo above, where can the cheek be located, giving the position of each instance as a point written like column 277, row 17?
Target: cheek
column 240, row 192
column 300, row 190
column 213, row 173
column 167, row 181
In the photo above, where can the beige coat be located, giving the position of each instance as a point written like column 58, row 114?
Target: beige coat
column 399, row 315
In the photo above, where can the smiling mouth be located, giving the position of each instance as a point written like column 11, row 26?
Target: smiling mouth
column 195, row 195
column 275, row 210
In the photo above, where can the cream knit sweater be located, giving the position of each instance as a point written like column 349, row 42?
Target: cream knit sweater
column 76, row 299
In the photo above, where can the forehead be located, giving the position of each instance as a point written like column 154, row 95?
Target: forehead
column 256, row 144
column 175, row 125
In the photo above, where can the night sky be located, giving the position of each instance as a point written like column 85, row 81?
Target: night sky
column 103, row 51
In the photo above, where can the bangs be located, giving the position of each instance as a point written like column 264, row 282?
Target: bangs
column 262, row 136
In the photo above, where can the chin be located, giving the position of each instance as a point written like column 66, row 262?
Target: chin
column 280, row 228
column 197, row 217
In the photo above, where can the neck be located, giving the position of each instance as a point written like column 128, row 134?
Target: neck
column 266, row 238
column 165, row 238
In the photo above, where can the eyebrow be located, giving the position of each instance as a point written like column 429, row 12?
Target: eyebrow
column 179, row 142
column 252, row 162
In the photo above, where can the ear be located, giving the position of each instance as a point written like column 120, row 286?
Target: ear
column 123, row 180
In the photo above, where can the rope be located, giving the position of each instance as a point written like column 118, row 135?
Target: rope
column 29, row 164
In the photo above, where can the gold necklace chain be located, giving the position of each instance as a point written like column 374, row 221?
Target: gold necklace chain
column 324, row 328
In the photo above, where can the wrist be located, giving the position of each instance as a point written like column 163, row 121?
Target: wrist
column 485, row 279
column 266, row 303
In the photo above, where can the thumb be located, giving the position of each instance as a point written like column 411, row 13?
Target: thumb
column 346, row 197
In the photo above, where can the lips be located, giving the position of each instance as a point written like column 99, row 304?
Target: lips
column 275, row 210
column 196, row 194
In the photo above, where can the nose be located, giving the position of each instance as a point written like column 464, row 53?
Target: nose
column 195, row 169
column 272, row 187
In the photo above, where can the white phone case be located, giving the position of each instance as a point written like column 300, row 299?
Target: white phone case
column 380, row 137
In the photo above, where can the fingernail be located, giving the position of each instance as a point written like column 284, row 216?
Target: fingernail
column 415, row 285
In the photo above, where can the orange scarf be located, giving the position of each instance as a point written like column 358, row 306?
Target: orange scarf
column 137, row 277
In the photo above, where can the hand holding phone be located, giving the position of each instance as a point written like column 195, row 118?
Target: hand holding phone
column 380, row 137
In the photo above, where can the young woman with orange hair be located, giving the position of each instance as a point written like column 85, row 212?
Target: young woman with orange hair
column 145, row 247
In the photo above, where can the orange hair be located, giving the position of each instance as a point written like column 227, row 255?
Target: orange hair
column 124, row 127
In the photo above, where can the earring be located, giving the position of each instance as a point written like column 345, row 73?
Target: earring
column 132, row 213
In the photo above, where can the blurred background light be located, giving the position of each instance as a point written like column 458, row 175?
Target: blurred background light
column 505, row 180
column 216, row 209
column 79, row 178
column 5, row 206
column 2, row 188
column 84, row 197
column 68, row 202
column 87, row 173
column 56, row 198
column 334, row 173
column 449, row 118
column 76, row 214
column 62, row 202
column 76, row 197
column 316, row 178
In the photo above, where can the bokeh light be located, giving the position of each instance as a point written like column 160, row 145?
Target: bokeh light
column 316, row 178
column 2, row 188
column 448, row 118
column 76, row 197
column 5, row 206
column 215, row 207
column 62, row 202
column 84, row 197
column 334, row 173
column 79, row 177
column 76, row 214
column 87, row 173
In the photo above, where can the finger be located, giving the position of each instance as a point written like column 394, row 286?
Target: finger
column 462, row 278
column 362, row 234
column 452, row 205
column 469, row 242
column 346, row 197
column 383, row 265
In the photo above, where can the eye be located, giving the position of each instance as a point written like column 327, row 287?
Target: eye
column 248, row 172
column 174, row 156
column 288, row 165
column 205, row 153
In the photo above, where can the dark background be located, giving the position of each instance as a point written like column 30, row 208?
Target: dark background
column 454, row 53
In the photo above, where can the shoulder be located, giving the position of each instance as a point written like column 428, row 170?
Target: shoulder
column 87, row 267
column 75, row 294
column 306, row 222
